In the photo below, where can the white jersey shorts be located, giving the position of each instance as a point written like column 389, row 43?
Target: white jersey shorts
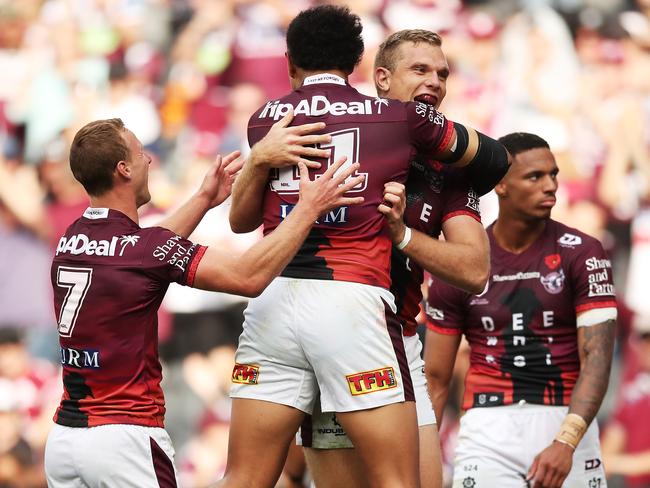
column 303, row 336
column 497, row 446
column 116, row 455
column 321, row 430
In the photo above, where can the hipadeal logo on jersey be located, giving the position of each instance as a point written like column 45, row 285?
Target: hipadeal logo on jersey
column 82, row 244
column 371, row 381
column 245, row 374
column 319, row 105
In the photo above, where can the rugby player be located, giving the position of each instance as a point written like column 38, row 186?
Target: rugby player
column 541, row 339
column 410, row 65
column 329, row 322
column 109, row 277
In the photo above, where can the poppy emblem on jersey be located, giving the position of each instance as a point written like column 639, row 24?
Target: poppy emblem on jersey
column 245, row 374
column 553, row 261
column 371, row 381
column 553, row 282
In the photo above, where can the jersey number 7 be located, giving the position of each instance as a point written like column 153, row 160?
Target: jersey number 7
column 77, row 282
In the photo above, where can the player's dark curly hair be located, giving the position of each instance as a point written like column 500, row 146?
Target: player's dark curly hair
column 325, row 37
column 518, row 142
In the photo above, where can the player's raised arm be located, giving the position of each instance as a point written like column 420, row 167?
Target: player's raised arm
column 251, row 272
column 486, row 160
column 216, row 187
column 281, row 146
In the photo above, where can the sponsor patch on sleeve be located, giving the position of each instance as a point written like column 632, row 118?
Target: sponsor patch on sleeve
column 246, row 374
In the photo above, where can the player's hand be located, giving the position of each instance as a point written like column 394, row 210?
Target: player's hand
column 551, row 466
column 287, row 146
column 217, row 183
column 327, row 192
column 393, row 208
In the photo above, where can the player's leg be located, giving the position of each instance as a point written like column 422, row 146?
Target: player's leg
column 333, row 468
column 376, row 434
column 331, row 459
column 273, row 386
column 430, row 457
column 260, row 434
column 330, row 455
column 357, row 352
column 295, row 468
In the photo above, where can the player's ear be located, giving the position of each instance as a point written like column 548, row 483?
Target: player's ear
column 501, row 190
column 382, row 79
column 123, row 168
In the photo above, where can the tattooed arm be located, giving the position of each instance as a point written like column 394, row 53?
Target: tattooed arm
column 595, row 346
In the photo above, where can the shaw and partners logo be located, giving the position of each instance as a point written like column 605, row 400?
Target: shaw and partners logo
column 82, row 244
column 245, row 374
column 371, row 381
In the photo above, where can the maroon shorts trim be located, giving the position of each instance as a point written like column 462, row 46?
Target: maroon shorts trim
column 395, row 332
column 163, row 466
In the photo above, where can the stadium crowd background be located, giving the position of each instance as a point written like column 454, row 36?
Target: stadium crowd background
column 185, row 75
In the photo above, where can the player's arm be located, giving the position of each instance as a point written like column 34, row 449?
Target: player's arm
column 616, row 461
column 487, row 160
column 281, row 146
column 251, row 272
column 462, row 259
column 596, row 347
column 439, row 357
column 215, row 188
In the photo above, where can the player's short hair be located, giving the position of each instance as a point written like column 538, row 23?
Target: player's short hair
column 386, row 56
column 518, row 142
column 325, row 37
column 96, row 149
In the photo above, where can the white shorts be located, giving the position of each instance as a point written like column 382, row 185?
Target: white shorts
column 116, row 455
column 497, row 445
column 321, row 430
column 301, row 336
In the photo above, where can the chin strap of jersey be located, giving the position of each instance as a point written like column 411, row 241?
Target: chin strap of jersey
column 485, row 159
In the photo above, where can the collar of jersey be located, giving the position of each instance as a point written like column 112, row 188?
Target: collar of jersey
column 323, row 78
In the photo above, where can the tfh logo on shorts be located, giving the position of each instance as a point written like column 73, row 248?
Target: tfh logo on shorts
column 370, row 381
column 245, row 374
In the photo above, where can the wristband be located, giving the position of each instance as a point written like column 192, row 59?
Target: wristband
column 405, row 240
column 572, row 429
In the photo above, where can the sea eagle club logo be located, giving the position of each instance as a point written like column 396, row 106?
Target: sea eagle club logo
column 319, row 105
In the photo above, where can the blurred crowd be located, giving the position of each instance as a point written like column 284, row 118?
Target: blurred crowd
column 185, row 75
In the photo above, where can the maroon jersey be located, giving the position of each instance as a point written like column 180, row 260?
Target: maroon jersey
column 631, row 414
column 434, row 194
column 349, row 243
column 522, row 331
column 109, row 277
